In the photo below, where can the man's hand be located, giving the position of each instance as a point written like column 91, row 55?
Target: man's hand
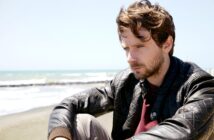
column 60, row 138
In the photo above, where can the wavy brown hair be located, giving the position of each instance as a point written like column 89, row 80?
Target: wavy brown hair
column 152, row 17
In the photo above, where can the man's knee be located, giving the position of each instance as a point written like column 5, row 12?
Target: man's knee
column 88, row 127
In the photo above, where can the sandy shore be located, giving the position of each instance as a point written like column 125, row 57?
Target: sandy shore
column 32, row 125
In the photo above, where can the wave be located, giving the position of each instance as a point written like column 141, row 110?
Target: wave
column 43, row 82
column 48, row 78
column 14, row 100
column 24, row 90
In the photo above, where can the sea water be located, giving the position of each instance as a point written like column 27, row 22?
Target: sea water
column 25, row 90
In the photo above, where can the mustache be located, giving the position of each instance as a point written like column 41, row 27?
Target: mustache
column 136, row 65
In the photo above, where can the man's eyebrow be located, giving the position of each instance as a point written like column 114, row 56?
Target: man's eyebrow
column 135, row 45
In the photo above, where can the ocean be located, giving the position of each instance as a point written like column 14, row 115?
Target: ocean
column 24, row 90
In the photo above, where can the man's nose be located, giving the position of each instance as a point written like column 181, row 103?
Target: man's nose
column 131, row 56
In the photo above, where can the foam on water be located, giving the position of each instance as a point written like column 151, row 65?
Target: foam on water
column 13, row 100
column 21, row 91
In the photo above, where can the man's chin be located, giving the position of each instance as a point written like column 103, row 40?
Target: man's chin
column 139, row 76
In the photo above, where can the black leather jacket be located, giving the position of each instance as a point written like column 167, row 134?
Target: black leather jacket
column 184, row 106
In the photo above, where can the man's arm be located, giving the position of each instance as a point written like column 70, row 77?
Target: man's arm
column 93, row 101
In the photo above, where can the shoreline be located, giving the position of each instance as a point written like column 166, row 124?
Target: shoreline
column 33, row 124
column 55, row 83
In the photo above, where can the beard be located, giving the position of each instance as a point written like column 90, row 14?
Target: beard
column 146, row 71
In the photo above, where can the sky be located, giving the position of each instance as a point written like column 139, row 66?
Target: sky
column 77, row 34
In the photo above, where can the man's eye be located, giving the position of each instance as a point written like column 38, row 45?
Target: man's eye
column 126, row 48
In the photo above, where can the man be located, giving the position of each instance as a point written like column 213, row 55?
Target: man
column 158, row 97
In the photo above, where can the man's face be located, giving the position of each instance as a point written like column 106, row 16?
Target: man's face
column 144, row 57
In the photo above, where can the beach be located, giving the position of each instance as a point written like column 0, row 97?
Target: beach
column 33, row 124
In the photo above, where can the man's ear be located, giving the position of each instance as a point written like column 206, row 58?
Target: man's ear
column 168, row 44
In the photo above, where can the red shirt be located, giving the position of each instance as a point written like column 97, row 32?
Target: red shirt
column 145, row 122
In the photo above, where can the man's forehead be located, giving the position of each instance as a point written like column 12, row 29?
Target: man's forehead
column 127, row 38
column 125, row 32
column 143, row 33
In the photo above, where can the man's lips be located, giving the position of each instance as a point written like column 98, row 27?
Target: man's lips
column 135, row 68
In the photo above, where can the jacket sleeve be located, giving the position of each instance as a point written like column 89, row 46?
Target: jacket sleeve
column 193, row 120
column 93, row 101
